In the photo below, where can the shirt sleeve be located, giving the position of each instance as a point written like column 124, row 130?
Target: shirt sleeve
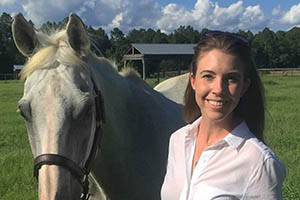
column 174, row 178
column 166, row 191
column 266, row 181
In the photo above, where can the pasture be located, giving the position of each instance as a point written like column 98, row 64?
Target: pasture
column 282, row 134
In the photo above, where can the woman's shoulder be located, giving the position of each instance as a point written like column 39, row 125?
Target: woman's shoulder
column 256, row 148
column 267, row 170
column 261, row 154
column 261, row 148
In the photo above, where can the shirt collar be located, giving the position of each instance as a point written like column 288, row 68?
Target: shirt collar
column 238, row 135
column 193, row 128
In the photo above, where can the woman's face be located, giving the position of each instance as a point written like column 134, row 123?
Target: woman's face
column 219, row 83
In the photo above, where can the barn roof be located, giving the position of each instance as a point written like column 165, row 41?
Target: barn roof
column 157, row 52
column 164, row 49
column 18, row 67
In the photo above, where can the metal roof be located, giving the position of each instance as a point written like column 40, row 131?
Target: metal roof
column 165, row 49
column 18, row 67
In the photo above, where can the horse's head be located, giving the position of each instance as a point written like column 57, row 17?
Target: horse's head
column 58, row 105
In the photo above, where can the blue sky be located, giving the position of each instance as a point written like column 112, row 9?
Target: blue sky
column 166, row 15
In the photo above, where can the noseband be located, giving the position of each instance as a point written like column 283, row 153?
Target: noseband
column 81, row 174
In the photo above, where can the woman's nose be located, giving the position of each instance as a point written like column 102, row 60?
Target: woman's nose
column 219, row 86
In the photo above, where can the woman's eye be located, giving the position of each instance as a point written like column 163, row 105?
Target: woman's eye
column 233, row 79
column 207, row 77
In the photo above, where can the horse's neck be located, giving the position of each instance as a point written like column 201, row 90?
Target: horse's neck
column 113, row 87
column 105, row 76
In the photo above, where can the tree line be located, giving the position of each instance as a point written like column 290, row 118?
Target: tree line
column 271, row 49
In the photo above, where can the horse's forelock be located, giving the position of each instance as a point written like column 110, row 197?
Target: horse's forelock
column 54, row 47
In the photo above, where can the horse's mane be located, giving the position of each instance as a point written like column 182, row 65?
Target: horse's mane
column 54, row 48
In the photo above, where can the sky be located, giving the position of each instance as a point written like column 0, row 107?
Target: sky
column 165, row 15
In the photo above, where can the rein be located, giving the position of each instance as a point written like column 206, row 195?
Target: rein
column 81, row 174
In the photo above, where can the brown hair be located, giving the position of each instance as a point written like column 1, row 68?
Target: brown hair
column 251, row 106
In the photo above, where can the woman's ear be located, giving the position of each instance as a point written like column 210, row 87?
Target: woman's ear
column 192, row 80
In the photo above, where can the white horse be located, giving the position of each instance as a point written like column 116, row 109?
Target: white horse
column 174, row 88
column 62, row 78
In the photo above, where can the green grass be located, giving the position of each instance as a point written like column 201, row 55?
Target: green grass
column 282, row 127
column 282, row 135
column 153, row 81
column 16, row 181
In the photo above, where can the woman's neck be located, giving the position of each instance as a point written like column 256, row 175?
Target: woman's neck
column 210, row 132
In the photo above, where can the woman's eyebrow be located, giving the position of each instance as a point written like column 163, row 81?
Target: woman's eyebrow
column 207, row 71
column 236, row 74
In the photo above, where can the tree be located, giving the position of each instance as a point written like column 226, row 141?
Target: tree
column 136, row 36
column 99, row 40
column 146, row 36
column 249, row 35
column 184, row 35
column 160, row 37
column 9, row 55
column 292, row 39
column 50, row 27
column 119, row 46
column 265, row 49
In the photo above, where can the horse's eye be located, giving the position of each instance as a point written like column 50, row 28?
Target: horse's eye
column 24, row 109
column 83, row 109
column 88, row 110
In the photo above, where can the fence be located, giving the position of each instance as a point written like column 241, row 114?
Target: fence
column 280, row 71
column 8, row 76
column 266, row 71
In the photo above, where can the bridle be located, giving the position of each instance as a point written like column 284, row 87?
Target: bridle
column 81, row 174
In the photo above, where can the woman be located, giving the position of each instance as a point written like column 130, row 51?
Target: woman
column 220, row 154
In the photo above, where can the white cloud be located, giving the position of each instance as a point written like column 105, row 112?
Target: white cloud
column 227, row 16
column 292, row 16
column 172, row 17
column 116, row 22
column 49, row 10
column 253, row 18
column 129, row 14
column 207, row 14
column 124, row 14
column 7, row 2
column 277, row 11
column 202, row 11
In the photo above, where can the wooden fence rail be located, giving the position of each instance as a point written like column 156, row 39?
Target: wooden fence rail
column 9, row 76
column 265, row 71
column 280, row 71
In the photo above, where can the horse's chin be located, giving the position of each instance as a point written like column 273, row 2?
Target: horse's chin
column 56, row 183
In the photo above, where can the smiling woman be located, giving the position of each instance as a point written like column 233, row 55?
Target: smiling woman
column 220, row 154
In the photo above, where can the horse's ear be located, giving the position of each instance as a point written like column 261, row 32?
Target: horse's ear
column 77, row 34
column 24, row 35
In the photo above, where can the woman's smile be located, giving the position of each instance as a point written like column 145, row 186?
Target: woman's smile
column 217, row 103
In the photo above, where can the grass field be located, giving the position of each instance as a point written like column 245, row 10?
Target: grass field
column 282, row 134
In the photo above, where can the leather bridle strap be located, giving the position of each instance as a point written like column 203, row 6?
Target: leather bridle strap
column 55, row 159
column 100, row 120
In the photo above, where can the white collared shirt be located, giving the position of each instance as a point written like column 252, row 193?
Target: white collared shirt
column 237, row 167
